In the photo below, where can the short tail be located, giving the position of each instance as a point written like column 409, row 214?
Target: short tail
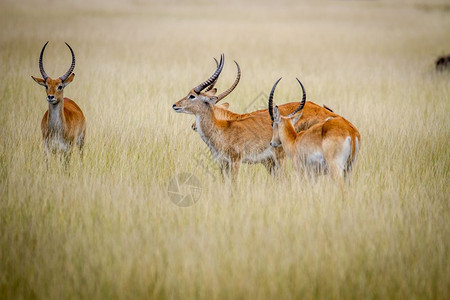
column 354, row 153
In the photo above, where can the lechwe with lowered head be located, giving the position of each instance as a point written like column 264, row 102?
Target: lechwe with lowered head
column 330, row 146
column 63, row 124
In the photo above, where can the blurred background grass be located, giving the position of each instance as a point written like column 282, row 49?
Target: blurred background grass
column 109, row 230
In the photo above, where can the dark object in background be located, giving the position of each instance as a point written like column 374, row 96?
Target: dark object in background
column 443, row 63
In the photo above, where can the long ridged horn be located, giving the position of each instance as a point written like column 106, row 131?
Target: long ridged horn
column 227, row 92
column 302, row 103
column 213, row 77
column 72, row 66
column 271, row 99
column 215, row 81
column 41, row 65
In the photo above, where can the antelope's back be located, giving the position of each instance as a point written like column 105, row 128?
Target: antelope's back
column 312, row 114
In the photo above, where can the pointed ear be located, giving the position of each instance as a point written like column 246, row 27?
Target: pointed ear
column 295, row 119
column 276, row 115
column 68, row 80
column 225, row 105
column 212, row 92
column 39, row 81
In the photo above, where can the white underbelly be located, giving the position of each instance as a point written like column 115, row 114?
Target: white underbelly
column 221, row 156
column 316, row 161
column 248, row 158
column 252, row 158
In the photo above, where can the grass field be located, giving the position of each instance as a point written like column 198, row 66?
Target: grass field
column 107, row 229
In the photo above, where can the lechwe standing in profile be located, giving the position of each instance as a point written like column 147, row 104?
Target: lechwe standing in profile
column 330, row 146
column 63, row 124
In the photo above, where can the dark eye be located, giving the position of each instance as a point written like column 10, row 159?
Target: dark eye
column 46, row 87
column 59, row 87
column 191, row 96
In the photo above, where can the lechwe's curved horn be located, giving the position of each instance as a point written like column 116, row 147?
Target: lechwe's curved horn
column 72, row 66
column 232, row 87
column 41, row 65
column 213, row 77
column 271, row 99
column 215, row 81
column 302, row 103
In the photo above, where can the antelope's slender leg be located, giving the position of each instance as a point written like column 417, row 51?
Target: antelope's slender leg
column 46, row 153
column 235, row 165
column 81, row 147
column 272, row 166
column 225, row 169
column 337, row 173
column 66, row 159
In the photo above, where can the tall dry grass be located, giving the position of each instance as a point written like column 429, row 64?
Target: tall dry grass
column 107, row 229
